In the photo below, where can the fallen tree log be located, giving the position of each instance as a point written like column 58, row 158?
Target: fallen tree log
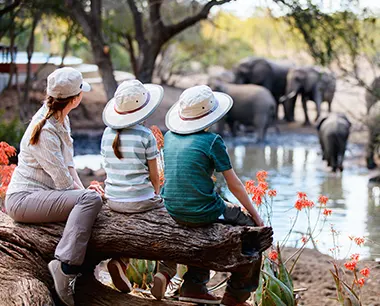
column 25, row 251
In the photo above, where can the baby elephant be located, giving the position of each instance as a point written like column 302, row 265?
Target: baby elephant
column 253, row 106
column 333, row 132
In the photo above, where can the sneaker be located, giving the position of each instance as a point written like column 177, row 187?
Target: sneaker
column 200, row 298
column 117, row 268
column 64, row 283
column 228, row 300
column 160, row 283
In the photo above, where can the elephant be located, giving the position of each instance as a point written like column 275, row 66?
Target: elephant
column 373, row 145
column 372, row 94
column 253, row 106
column 333, row 132
column 267, row 73
column 311, row 84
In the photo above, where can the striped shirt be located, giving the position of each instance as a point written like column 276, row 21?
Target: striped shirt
column 128, row 178
column 44, row 166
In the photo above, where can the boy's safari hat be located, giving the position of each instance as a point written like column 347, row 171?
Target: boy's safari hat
column 65, row 82
column 198, row 107
column 132, row 103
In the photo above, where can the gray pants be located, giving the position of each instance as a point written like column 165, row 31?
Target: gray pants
column 78, row 207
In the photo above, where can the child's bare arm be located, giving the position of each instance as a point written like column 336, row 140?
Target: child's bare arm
column 237, row 188
column 153, row 175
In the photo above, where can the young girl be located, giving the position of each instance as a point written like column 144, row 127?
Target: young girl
column 130, row 154
column 45, row 186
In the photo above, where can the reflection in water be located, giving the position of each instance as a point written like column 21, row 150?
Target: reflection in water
column 356, row 207
column 300, row 168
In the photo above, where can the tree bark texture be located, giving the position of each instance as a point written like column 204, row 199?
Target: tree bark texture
column 25, row 251
column 92, row 29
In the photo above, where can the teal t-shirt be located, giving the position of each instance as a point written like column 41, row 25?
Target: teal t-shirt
column 190, row 161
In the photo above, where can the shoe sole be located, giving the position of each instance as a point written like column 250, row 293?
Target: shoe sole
column 158, row 290
column 119, row 278
column 51, row 270
column 200, row 301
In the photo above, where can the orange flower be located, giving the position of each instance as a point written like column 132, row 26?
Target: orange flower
column 263, row 186
column 359, row 240
column 261, row 175
column 158, row 135
column 327, row 212
column 360, row 282
column 161, row 177
column 304, row 239
column 249, row 186
column 355, row 257
column 6, row 151
column 6, row 174
column 364, row 272
column 301, row 195
column 272, row 193
column 302, row 203
column 351, row 265
column 273, row 255
column 323, row 199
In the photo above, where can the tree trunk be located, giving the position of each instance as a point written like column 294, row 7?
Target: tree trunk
column 103, row 61
column 147, row 62
column 24, row 107
column 25, row 251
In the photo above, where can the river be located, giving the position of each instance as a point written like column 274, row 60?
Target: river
column 294, row 163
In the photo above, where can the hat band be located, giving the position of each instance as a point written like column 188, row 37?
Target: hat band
column 215, row 106
column 134, row 110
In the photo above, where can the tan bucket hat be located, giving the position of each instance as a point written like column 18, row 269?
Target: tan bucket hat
column 198, row 107
column 65, row 82
column 132, row 103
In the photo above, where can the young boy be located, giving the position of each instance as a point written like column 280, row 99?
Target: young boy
column 191, row 155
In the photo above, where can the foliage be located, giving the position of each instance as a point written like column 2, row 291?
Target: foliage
column 11, row 131
column 6, row 170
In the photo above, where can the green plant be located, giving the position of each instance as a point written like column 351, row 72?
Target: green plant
column 11, row 131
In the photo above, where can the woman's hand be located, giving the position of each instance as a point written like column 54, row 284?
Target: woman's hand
column 258, row 220
column 96, row 187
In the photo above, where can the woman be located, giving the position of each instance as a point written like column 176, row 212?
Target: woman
column 45, row 186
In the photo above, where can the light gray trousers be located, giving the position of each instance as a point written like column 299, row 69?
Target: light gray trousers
column 78, row 207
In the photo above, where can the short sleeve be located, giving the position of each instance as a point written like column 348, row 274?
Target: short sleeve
column 151, row 151
column 219, row 154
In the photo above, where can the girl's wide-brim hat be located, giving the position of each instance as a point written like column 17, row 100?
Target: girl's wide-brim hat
column 132, row 103
column 198, row 108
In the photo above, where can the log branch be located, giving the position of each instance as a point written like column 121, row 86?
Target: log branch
column 174, row 29
column 25, row 251
column 155, row 15
column 138, row 22
column 10, row 7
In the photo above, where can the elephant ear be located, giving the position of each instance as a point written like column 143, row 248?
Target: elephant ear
column 312, row 79
column 319, row 122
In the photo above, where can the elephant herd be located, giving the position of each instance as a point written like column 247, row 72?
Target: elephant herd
column 258, row 86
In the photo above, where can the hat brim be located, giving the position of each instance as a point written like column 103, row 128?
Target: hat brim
column 115, row 120
column 85, row 86
column 177, row 125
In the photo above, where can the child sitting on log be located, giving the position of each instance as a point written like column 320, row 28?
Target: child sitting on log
column 130, row 154
column 191, row 154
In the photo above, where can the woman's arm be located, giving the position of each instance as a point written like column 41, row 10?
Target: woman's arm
column 153, row 175
column 237, row 188
column 77, row 182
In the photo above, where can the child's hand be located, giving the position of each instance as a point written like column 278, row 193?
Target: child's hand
column 258, row 221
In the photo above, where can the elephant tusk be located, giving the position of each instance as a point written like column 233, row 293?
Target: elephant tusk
column 289, row 96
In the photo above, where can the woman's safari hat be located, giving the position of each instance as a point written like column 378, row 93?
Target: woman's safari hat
column 132, row 103
column 198, row 107
column 65, row 82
